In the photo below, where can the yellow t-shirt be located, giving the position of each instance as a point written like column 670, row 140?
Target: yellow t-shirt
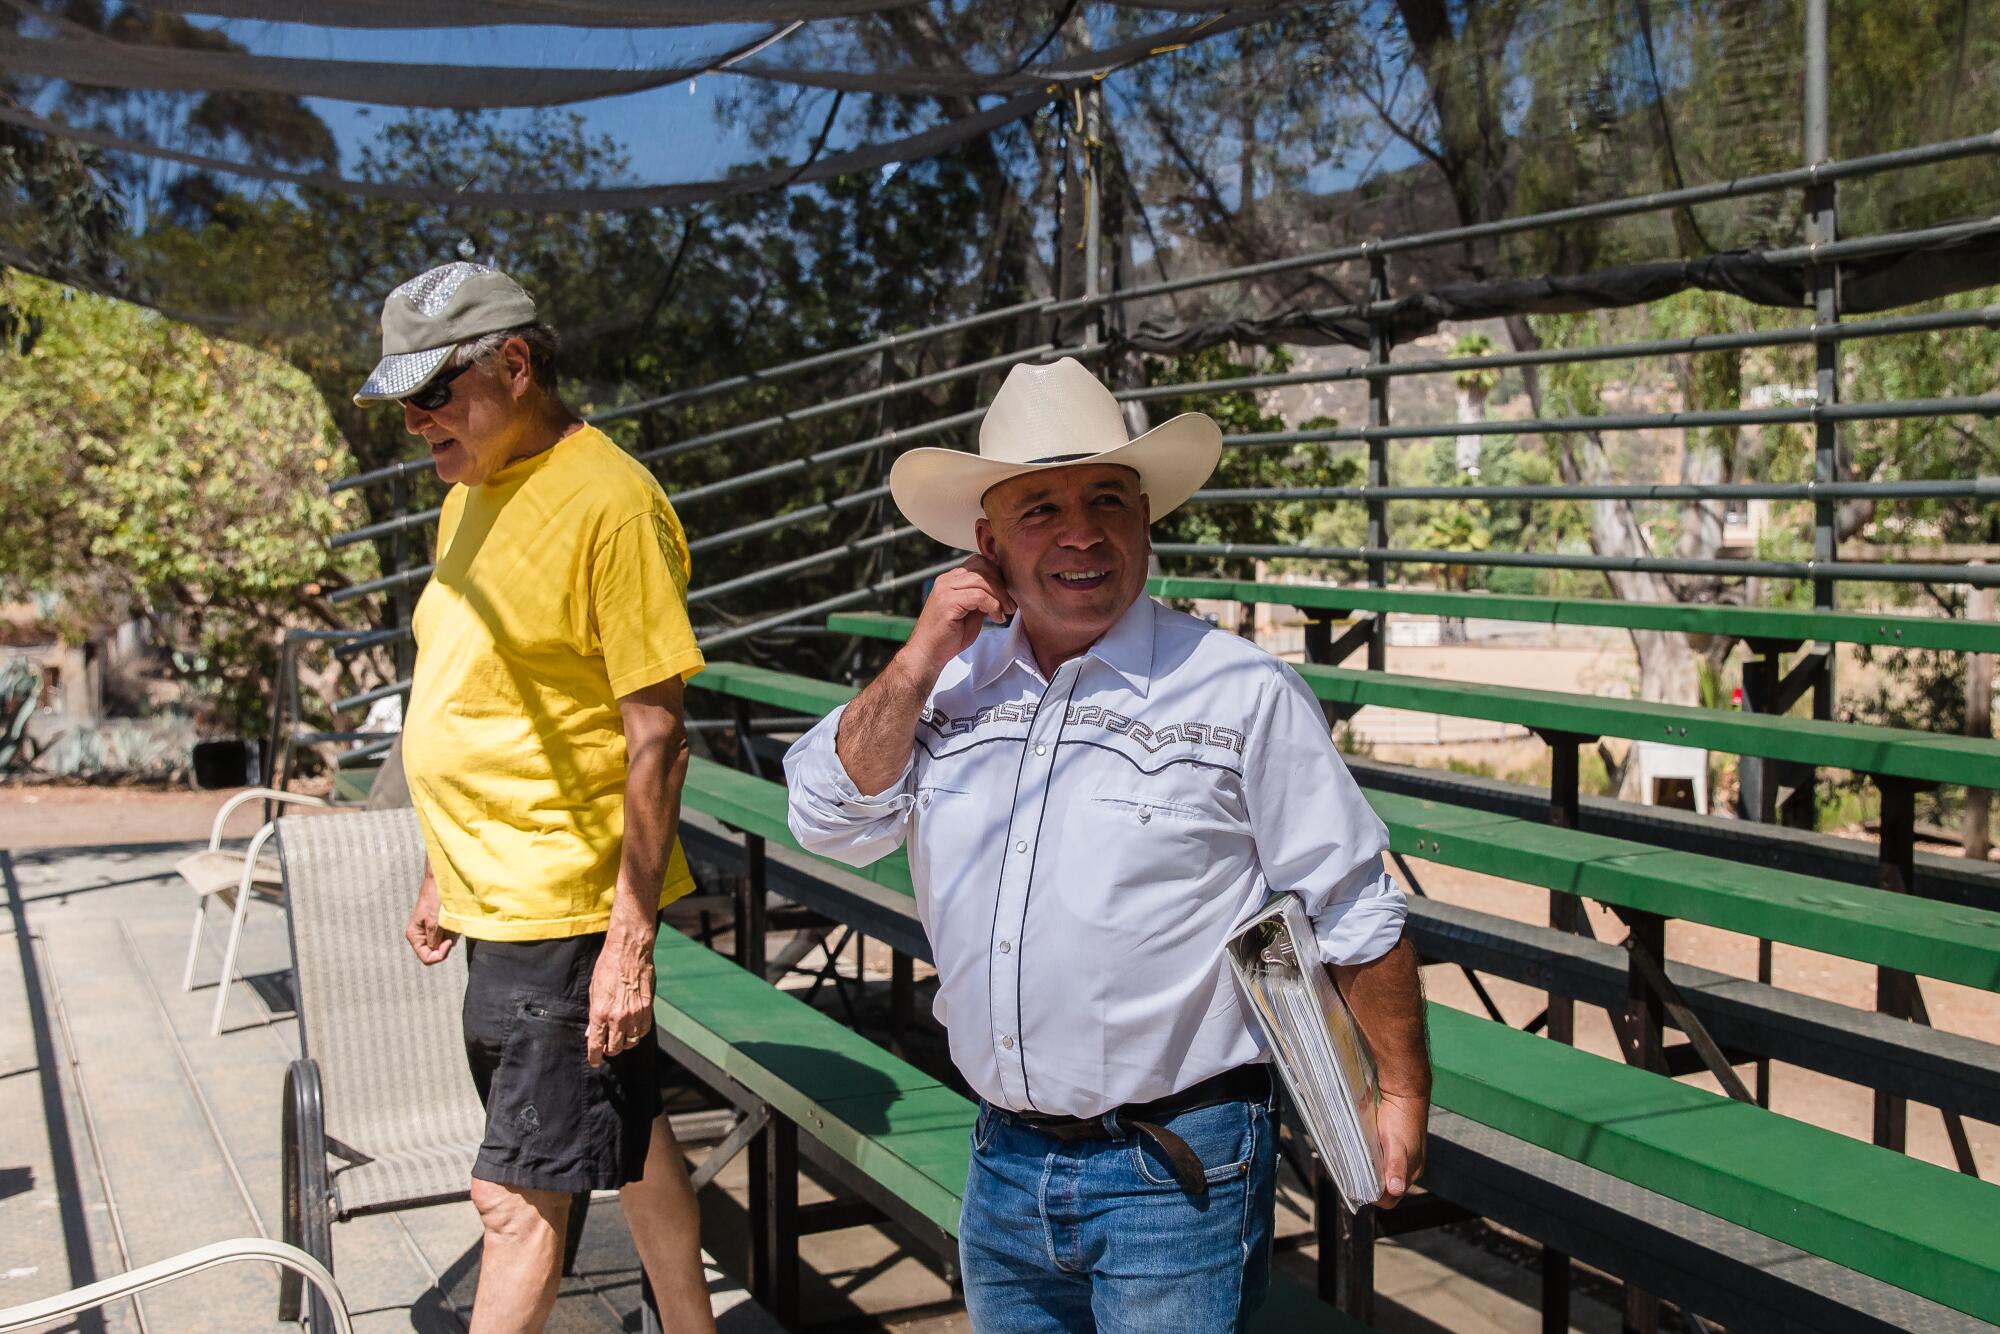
column 561, row 584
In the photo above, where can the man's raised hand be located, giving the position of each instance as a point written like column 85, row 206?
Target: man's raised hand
column 960, row 602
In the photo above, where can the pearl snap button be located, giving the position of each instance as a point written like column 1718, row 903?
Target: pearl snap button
column 1006, row 947
column 1144, row 816
column 1008, row 1043
column 1022, row 846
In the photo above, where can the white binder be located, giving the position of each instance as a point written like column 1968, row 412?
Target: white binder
column 1315, row 1043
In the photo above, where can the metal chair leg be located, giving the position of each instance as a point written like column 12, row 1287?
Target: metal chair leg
column 194, row 943
column 229, row 962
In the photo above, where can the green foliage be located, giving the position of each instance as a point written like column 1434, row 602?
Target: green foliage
column 146, row 468
column 1481, row 380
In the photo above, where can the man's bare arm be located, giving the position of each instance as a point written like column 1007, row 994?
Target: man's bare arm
column 656, row 759
column 879, row 729
column 1387, row 998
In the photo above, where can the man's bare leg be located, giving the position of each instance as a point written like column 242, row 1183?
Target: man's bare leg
column 660, row 1210
column 520, row 1264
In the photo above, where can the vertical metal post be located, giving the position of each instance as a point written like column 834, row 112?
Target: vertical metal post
column 400, row 602
column 902, row 998
column 1565, row 910
column 1644, row 1049
column 1761, row 676
column 1093, row 205
column 751, row 902
column 1822, row 228
column 1354, row 1284
column 1345, row 1272
column 1566, row 915
column 1895, row 990
column 1555, row 1291
column 780, row 1188
column 1378, row 452
column 1979, row 723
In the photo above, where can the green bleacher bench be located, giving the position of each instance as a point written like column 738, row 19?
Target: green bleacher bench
column 1771, row 624
column 893, row 1125
column 1908, row 1224
column 1941, row 940
column 1887, row 752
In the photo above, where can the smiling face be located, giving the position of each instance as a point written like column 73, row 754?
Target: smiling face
column 486, row 423
column 1072, row 545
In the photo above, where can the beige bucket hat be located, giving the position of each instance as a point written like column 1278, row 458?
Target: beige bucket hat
column 1054, row 416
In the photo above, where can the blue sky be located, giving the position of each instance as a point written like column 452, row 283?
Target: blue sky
column 671, row 134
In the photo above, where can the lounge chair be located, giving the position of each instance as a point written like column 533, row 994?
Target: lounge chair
column 379, row 1112
column 236, row 878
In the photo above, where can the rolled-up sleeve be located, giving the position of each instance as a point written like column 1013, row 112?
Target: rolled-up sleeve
column 828, row 814
column 1316, row 835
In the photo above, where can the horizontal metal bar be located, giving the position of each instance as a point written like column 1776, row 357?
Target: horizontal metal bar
column 1977, row 576
column 372, row 639
column 385, row 474
column 797, row 722
column 749, row 429
column 347, row 759
column 309, row 737
column 791, row 567
column 1930, row 322
column 716, row 638
column 821, row 360
column 813, row 411
column 771, row 525
column 303, row 636
column 400, row 579
column 1856, row 247
column 1975, row 488
column 370, row 696
column 1794, row 178
column 1977, row 405
column 810, row 462
column 402, row 523
column 1769, row 182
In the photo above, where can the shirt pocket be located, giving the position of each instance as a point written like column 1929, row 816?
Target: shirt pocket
column 941, row 835
column 1146, row 855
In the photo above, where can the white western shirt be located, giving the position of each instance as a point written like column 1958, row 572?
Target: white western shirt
column 1082, row 847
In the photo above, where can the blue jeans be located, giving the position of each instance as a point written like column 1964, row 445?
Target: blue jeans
column 1097, row 1236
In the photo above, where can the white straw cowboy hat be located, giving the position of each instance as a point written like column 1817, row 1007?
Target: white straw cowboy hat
column 1055, row 416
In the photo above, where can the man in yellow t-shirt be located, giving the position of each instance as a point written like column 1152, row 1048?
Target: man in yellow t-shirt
column 545, row 749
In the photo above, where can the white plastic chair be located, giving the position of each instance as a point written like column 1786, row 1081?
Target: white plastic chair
column 330, row 1309
column 234, row 878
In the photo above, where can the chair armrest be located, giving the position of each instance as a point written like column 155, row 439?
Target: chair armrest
column 289, row 1258
column 250, row 855
column 254, row 794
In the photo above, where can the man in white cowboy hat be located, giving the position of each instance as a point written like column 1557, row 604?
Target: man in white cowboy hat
column 545, row 750
column 1093, row 799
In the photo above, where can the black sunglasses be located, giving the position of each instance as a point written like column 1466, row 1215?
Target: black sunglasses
column 438, row 392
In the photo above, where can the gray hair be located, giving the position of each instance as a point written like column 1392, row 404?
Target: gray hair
column 543, row 346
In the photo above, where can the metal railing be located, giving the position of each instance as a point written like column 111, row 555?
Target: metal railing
column 1824, row 417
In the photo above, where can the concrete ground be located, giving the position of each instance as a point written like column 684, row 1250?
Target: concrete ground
column 128, row 1134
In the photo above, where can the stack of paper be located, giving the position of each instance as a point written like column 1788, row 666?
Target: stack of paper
column 1318, row 1049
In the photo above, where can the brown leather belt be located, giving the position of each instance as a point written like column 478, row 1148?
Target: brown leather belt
column 1246, row 1083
